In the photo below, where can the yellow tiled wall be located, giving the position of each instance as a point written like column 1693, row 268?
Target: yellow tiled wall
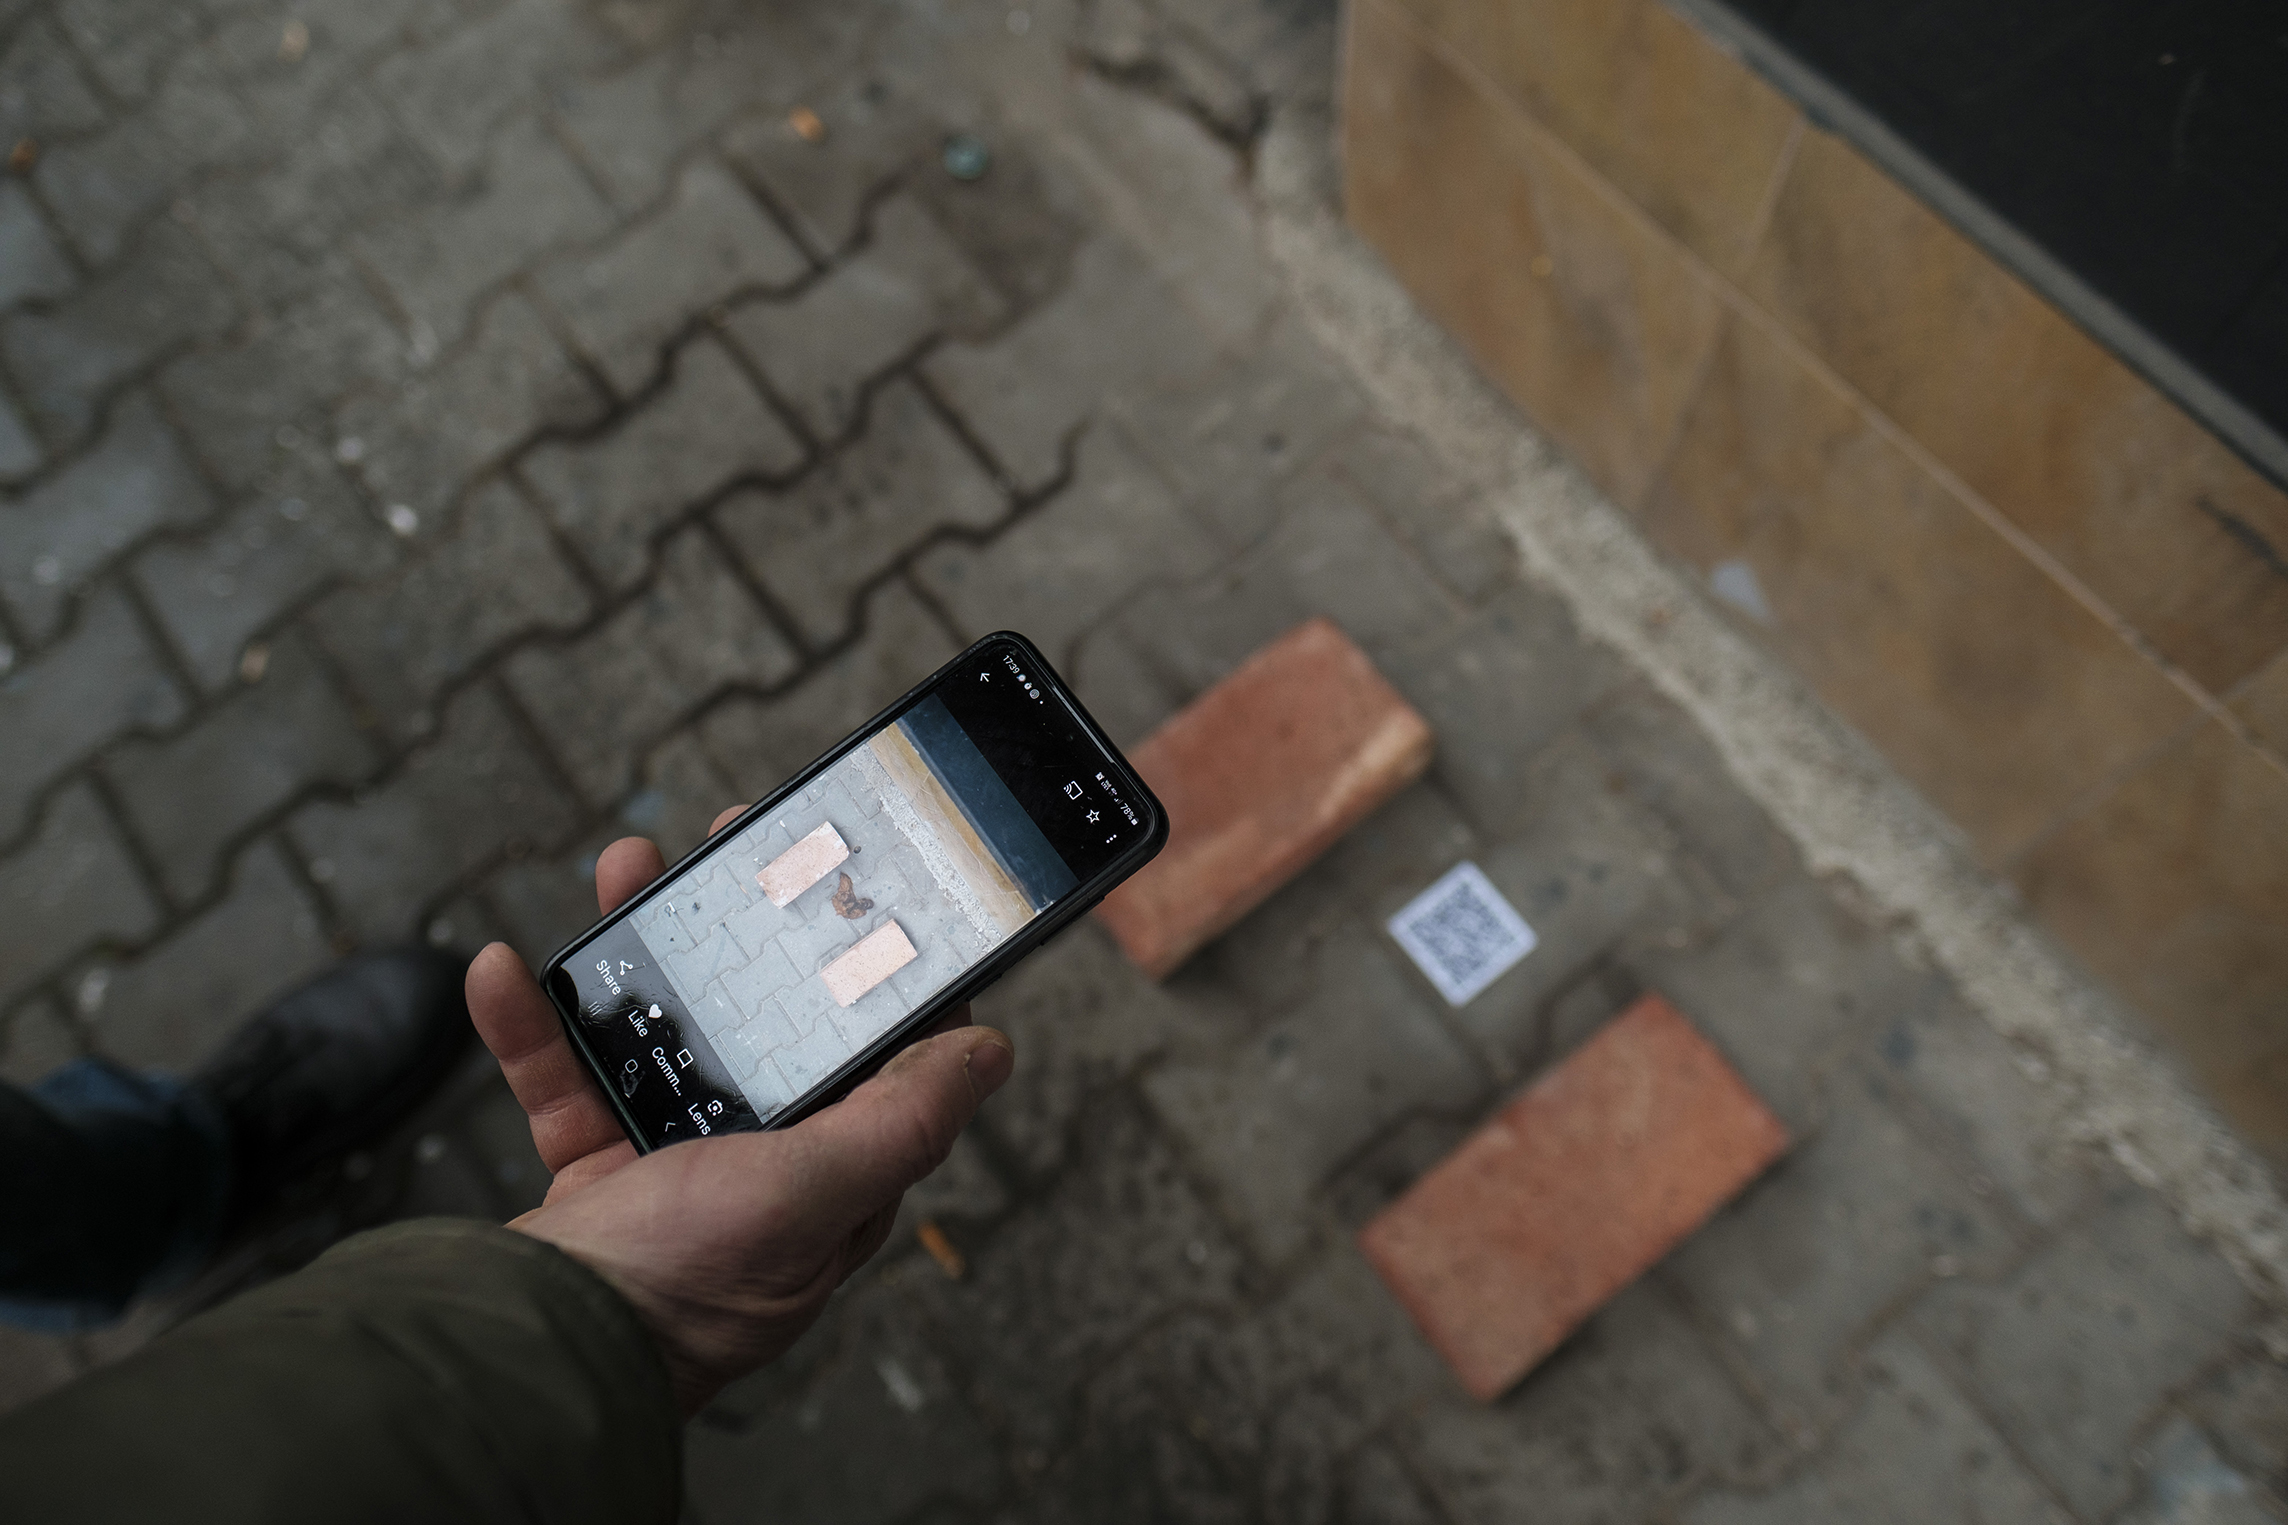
column 2057, row 603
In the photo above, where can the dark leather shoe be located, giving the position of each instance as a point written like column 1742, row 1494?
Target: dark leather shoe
column 335, row 1064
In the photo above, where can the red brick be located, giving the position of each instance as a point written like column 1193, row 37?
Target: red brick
column 1260, row 775
column 1570, row 1193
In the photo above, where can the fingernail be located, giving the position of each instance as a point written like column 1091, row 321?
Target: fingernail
column 989, row 1064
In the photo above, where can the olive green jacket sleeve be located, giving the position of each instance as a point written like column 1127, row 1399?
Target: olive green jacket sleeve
column 437, row 1371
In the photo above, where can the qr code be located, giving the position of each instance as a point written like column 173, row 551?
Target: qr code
column 1462, row 934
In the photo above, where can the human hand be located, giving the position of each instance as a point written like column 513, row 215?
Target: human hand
column 727, row 1247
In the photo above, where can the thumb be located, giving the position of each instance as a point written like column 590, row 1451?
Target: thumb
column 899, row 1126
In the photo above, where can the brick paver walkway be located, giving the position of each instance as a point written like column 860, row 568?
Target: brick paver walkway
column 447, row 434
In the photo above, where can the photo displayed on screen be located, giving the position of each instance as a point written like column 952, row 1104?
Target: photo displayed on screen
column 817, row 928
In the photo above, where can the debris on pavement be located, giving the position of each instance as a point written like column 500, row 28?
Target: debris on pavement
column 966, row 158
column 941, row 1249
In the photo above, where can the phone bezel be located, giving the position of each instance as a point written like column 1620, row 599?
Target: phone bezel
column 1075, row 905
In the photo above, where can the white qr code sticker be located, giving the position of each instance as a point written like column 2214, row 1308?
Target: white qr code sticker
column 1462, row 934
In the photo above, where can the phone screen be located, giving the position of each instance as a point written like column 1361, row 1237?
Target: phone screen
column 808, row 932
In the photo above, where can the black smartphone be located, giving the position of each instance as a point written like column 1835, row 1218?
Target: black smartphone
column 788, row 956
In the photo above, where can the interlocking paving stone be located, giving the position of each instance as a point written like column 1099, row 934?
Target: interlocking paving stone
column 1330, row 554
column 1452, row 528
column 1020, row 225
column 1291, row 947
column 815, row 544
column 1329, row 1348
column 874, row 130
column 602, row 698
column 300, row 528
column 709, row 244
column 364, row 29
column 678, row 796
column 129, row 43
column 1268, row 1122
column 1666, row 765
column 530, row 200
column 279, row 229
column 288, row 93
column 478, row 791
column 1121, row 685
column 101, row 679
column 1859, row 1218
column 190, row 794
column 173, row 1007
column 403, row 642
column 1385, row 860
column 761, row 743
column 70, row 886
column 103, row 188
column 1075, row 559
column 1585, row 871
column 1791, row 988
column 419, row 444
column 20, row 453
column 32, row 267
column 631, row 125
column 1028, row 389
column 1086, row 1021
column 46, row 96
column 1199, row 238
column 68, row 356
column 455, row 92
column 135, row 480
column 709, row 429
column 1914, row 1451
column 1632, row 1412
column 1497, row 689
column 1127, row 37
column 1970, row 1090
column 542, row 902
column 884, row 1391
column 1229, row 439
column 1038, row 1313
column 1376, row 1489
column 823, row 346
column 285, row 374
column 2071, row 1353
column 1138, row 1456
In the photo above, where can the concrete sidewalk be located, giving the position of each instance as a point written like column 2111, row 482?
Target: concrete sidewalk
column 448, row 435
